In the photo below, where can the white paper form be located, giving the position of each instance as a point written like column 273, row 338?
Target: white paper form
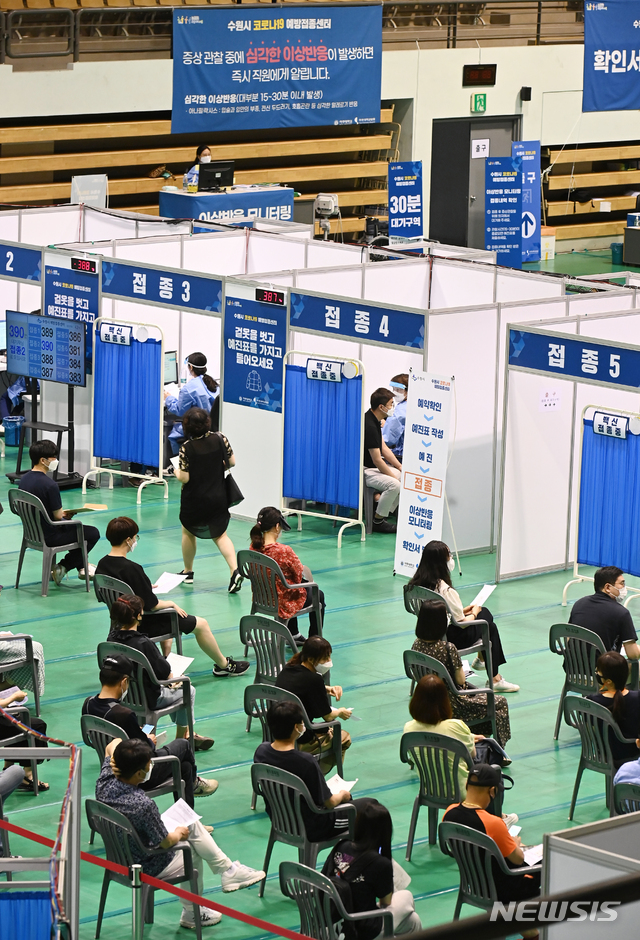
column 336, row 783
column 180, row 814
column 483, row 595
column 179, row 664
column 167, row 582
column 533, row 854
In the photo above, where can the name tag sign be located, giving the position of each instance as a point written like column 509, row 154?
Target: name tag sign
column 324, row 371
column 610, row 425
column 114, row 333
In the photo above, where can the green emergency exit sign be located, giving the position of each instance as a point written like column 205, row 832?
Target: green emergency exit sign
column 478, row 103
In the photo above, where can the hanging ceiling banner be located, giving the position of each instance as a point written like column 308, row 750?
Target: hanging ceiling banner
column 611, row 79
column 237, row 68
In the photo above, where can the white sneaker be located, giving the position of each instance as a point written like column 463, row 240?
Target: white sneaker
column 92, row 571
column 503, row 686
column 208, row 918
column 240, row 876
column 510, row 819
column 478, row 664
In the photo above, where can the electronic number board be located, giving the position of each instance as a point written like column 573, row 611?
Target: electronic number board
column 46, row 348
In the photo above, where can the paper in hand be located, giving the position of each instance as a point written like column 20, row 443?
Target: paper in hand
column 515, row 831
column 336, row 784
column 167, row 582
column 179, row 664
column 175, row 462
column 401, row 880
column 483, row 595
column 533, row 854
column 180, row 814
column 14, row 688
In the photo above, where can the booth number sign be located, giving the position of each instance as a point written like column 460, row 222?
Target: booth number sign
column 324, row 371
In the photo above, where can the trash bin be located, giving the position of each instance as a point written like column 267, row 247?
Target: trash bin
column 12, row 425
column 616, row 252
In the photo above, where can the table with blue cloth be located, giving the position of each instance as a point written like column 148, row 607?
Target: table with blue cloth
column 263, row 203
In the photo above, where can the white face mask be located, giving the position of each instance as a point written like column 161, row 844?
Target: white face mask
column 147, row 775
column 398, row 396
column 54, row 464
column 132, row 545
column 451, row 564
column 622, row 593
column 205, row 159
column 388, row 411
column 323, row 668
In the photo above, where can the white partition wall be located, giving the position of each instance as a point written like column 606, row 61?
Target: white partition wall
column 399, row 283
column 10, row 225
column 459, row 283
column 223, row 253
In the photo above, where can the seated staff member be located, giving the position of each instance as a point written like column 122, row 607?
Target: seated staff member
column 302, row 675
column 482, row 787
column 612, row 675
column 125, row 767
column 287, row 726
column 126, row 614
column 381, row 466
column 44, row 457
column 603, row 613
column 122, row 533
column 114, row 679
column 9, row 730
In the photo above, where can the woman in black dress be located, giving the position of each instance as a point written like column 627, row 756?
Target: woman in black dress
column 204, row 513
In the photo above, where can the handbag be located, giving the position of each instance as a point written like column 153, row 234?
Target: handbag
column 489, row 751
column 232, row 491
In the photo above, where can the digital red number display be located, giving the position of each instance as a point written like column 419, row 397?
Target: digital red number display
column 83, row 264
column 270, row 296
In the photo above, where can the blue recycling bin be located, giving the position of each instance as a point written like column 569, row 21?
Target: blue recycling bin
column 12, row 425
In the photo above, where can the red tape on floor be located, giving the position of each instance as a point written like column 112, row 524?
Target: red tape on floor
column 162, row 886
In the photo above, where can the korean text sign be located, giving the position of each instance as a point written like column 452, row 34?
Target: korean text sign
column 580, row 358
column 611, row 80
column 528, row 151
column 424, row 468
column 69, row 294
column 44, row 349
column 236, row 69
column 169, row 288
column 361, row 320
column 503, row 210
column 23, row 264
column 405, row 199
column 255, row 339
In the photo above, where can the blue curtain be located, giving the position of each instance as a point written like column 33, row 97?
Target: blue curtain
column 25, row 915
column 126, row 397
column 322, row 457
column 609, row 528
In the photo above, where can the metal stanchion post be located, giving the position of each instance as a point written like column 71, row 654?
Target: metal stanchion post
column 137, row 914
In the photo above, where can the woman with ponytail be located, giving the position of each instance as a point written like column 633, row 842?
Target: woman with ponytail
column 612, row 675
column 264, row 538
column 199, row 391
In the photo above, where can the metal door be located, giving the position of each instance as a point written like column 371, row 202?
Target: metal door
column 488, row 138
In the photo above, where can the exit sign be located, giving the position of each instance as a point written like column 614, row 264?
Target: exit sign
column 478, row 103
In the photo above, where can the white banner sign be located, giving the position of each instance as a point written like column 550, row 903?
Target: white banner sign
column 424, row 467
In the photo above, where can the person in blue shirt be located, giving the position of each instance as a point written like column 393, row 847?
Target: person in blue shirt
column 393, row 430
column 199, row 391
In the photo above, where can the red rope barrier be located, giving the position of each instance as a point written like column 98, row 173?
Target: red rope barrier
column 163, row 886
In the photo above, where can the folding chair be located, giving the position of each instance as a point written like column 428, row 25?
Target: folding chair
column 109, row 589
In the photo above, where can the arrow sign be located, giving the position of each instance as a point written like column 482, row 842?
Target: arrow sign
column 528, row 224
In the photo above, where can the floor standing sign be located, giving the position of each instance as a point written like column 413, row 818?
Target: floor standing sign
column 503, row 210
column 424, row 468
column 528, row 151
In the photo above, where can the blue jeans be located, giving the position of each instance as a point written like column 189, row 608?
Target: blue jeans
column 170, row 697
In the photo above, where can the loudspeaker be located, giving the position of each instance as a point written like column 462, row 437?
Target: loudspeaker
column 525, row 93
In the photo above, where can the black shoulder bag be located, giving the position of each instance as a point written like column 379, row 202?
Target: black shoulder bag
column 232, row 490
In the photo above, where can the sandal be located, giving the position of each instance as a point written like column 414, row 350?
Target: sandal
column 27, row 786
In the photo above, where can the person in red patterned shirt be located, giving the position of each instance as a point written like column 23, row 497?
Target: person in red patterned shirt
column 264, row 538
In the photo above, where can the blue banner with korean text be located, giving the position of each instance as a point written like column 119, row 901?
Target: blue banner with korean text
column 571, row 358
column 528, row 151
column 18, row 263
column 503, row 210
column 405, row 199
column 611, row 80
column 255, row 340
column 361, row 320
column 237, row 68
column 169, row 288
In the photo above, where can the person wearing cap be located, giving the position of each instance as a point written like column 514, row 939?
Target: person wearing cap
column 483, row 784
column 393, row 430
column 199, row 391
column 107, row 704
column 264, row 538
column 381, row 466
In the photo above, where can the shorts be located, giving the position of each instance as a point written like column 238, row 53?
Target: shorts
column 157, row 624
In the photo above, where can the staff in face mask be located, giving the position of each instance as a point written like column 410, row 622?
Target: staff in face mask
column 44, row 458
column 434, row 573
column 604, row 613
column 381, row 466
column 303, row 675
column 203, row 154
column 393, row 430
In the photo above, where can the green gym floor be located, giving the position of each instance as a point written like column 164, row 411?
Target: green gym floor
column 369, row 629
column 579, row 263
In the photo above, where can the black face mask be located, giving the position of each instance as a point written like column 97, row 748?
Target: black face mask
column 600, row 679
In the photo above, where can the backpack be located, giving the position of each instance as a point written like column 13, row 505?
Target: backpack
column 342, row 883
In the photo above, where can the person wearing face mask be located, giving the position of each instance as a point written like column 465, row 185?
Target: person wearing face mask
column 434, row 573
column 603, row 612
column 381, row 466
column 199, row 391
column 612, row 675
column 44, row 458
column 203, row 154
column 393, row 430
column 303, row 675
column 123, row 535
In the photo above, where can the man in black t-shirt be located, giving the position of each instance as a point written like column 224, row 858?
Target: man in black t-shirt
column 44, row 457
column 603, row 613
column 381, row 466
column 114, row 679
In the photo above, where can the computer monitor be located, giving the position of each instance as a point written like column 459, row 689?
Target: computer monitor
column 3, row 334
column 170, row 367
column 215, row 176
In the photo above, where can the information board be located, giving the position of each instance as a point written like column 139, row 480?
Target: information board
column 71, row 291
column 168, row 288
column 255, row 340
column 611, row 56
column 405, row 200
column 41, row 348
column 528, row 151
column 503, row 210
column 237, row 68
column 358, row 320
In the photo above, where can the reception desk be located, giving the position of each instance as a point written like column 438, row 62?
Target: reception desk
column 273, row 203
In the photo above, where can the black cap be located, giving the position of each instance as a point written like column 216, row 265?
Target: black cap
column 271, row 516
column 485, row 775
column 118, row 663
